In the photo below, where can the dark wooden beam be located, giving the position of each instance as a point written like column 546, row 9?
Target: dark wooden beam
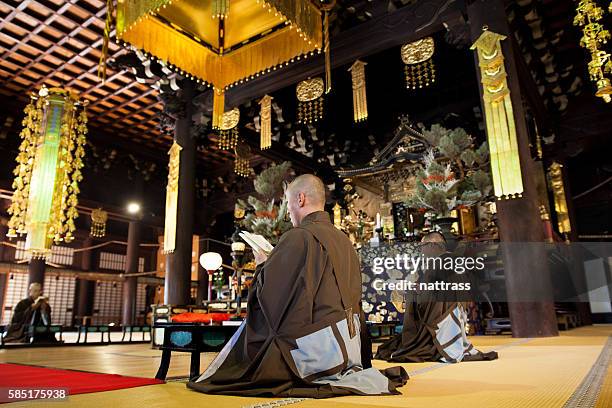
column 279, row 153
column 530, row 89
column 404, row 25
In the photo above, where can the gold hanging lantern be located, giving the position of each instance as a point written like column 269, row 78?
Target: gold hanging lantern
column 48, row 170
column 360, row 102
column 257, row 37
column 419, row 68
column 172, row 188
column 588, row 13
column 242, row 165
column 228, row 131
column 499, row 117
column 310, row 100
column 98, row 223
column 265, row 122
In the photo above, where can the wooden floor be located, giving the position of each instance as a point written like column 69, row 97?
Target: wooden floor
column 529, row 373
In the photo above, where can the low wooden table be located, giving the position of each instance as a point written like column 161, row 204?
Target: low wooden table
column 194, row 338
column 381, row 331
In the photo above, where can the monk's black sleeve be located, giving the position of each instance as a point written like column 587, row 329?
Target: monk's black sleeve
column 19, row 312
column 280, row 273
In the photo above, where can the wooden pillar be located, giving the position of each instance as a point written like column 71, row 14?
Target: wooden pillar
column 582, row 308
column 202, row 279
column 85, row 289
column 131, row 266
column 202, row 286
column 519, row 219
column 3, row 238
column 36, row 271
column 177, row 288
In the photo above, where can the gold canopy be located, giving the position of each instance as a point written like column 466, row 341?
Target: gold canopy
column 252, row 37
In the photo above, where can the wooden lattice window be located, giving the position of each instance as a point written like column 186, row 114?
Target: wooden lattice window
column 16, row 290
column 60, row 290
column 116, row 262
column 108, row 302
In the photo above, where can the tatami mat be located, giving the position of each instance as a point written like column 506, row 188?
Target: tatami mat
column 529, row 373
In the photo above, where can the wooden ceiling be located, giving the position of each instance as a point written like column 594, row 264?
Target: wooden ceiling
column 58, row 43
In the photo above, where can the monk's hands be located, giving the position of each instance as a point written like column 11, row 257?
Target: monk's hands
column 260, row 257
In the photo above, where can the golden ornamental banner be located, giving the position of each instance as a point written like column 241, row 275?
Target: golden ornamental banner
column 499, row 117
column 172, row 198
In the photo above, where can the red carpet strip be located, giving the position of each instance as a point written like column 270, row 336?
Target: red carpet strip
column 20, row 377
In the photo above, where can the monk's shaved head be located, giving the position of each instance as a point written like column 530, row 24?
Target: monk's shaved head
column 35, row 289
column 305, row 195
column 433, row 244
column 312, row 187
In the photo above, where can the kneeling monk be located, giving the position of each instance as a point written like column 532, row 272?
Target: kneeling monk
column 304, row 329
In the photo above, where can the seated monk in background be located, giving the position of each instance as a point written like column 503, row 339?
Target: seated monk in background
column 304, row 334
column 31, row 311
column 433, row 330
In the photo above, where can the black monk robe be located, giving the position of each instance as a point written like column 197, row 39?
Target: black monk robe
column 433, row 330
column 25, row 315
column 302, row 335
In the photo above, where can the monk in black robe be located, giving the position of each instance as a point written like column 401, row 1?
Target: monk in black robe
column 304, row 334
column 434, row 324
column 29, row 312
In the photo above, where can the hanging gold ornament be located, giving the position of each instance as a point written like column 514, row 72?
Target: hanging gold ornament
column 48, row 170
column 588, row 13
column 257, row 37
column 228, row 131
column 419, row 68
column 110, row 9
column 172, row 188
column 555, row 182
column 218, row 108
column 360, row 102
column 337, row 216
column 310, row 100
column 242, row 162
column 98, row 223
column 265, row 122
column 326, row 7
column 499, row 116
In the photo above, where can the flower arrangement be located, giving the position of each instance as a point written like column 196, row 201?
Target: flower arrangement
column 266, row 214
column 453, row 173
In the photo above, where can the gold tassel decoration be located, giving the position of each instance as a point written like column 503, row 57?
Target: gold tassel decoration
column 265, row 122
column 98, row 223
column 110, row 9
column 326, row 49
column 588, row 13
column 48, row 172
column 499, row 117
column 260, row 36
column 32, row 124
column 218, row 108
column 228, row 131
column 310, row 100
column 360, row 102
column 172, row 198
column 220, row 9
column 419, row 68
column 242, row 165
